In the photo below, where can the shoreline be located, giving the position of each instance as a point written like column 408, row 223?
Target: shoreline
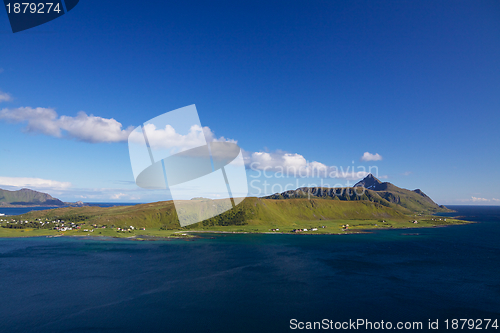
column 190, row 235
column 35, row 206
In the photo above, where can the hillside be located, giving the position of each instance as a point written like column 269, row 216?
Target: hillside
column 361, row 207
column 254, row 211
column 27, row 197
column 371, row 189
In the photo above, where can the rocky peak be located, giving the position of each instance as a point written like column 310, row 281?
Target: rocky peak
column 370, row 182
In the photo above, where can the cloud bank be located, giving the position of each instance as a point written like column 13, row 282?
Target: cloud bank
column 94, row 129
column 169, row 138
column 83, row 127
column 296, row 165
column 476, row 199
column 33, row 183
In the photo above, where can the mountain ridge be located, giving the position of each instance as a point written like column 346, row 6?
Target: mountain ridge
column 384, row 193
column 27, row 197
column 251, row 211
column 290, row 209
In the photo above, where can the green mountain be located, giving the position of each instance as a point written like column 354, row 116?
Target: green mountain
column 371, row 189
column 253, row 211
column 383, row 201
column 27, row 197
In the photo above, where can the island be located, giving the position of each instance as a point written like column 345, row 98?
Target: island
column 28, row 198
column 369, row 205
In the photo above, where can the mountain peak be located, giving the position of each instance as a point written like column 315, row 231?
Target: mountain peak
column 369, row 182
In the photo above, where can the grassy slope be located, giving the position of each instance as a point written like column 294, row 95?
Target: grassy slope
column 152, row 215
column 252, row 215
column 415, row 201
column 250, row 211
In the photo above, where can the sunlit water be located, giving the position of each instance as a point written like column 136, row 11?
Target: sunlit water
column 22, row 210
column 251, row 283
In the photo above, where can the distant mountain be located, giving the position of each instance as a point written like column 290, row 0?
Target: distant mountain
column 27, row 197
column 372, row 189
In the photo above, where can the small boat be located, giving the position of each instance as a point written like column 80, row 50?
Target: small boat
column 2, row 214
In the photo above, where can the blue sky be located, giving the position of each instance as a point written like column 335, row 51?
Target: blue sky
column 417, row 82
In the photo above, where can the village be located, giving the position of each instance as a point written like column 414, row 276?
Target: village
column 345, row 227
column 59, row 225
column 77, row 226
column 306, row 229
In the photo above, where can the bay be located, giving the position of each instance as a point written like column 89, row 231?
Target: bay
column 23, row 210
column 251, row 282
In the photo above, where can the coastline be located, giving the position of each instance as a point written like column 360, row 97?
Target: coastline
column 159, row 235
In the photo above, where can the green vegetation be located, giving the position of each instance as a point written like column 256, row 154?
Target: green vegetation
column 27, row 197
column 252, row 215
column 369, row 205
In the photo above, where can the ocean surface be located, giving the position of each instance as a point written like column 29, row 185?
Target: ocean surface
column 23, row 210
column 253, row 283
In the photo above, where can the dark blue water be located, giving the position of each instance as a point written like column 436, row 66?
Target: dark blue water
column 20, row 210
column 252, row 283
column 23, row 210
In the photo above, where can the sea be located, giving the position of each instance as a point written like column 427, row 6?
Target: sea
column 258, row 282
column 22, row 210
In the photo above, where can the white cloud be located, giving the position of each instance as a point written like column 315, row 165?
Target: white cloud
column 290, row 164
column 118, row 196
column 160, row 138
column 210, row 136
column 475, row 199
column 94, row 129
column 479, row 200
column 40, row 120
column 4, row 97
column 407, row 173
column 83, row 127
column 276, row 160
column 33, row 183
column 370, row 157
column 169, row 139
